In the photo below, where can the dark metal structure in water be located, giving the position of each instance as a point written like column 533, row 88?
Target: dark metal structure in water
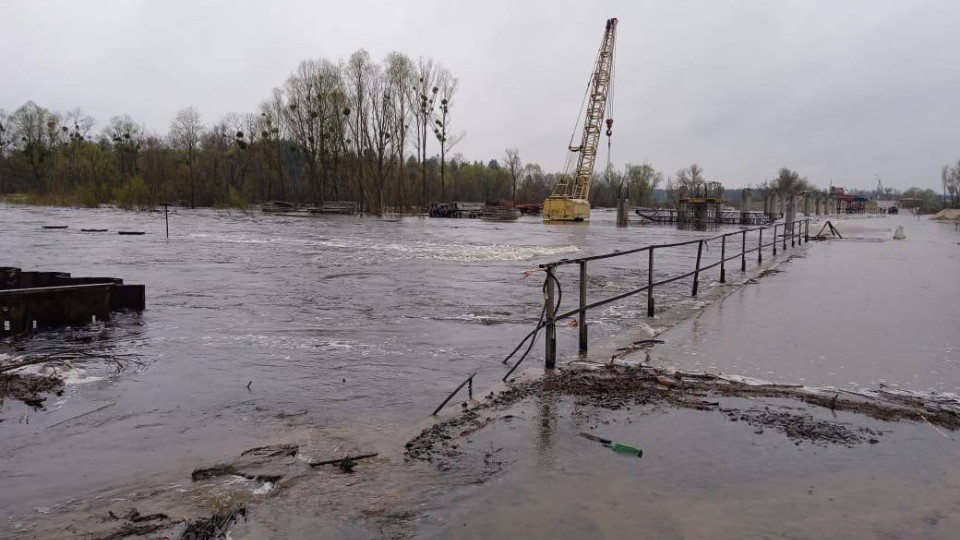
column 36, row 300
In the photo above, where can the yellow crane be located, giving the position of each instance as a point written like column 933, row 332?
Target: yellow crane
column 570, row 200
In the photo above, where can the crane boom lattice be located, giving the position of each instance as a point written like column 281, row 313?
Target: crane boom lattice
column 570, row 198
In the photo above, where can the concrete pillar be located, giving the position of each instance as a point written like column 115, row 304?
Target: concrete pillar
column 746, row 204
column 622, row 211
column 790, row 213
column 766, row 204
column 807, row 204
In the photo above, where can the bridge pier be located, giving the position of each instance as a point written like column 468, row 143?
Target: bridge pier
column 623, row 209
column 746, row 204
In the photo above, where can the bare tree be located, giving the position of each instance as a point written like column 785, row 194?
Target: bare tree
column 790, row 183
column 441, row 129
column 513, row 164
column 400, row 77
column 643, row 180
column 951, row 185
column 423, row 96
column 304, row 118
column 126, row 138
column 5, row 146
column 273, row 119
column 235, row 139
column 380, row 141
column 360, row 70
column 185, row 133
column 689, row 176
column 37, row 131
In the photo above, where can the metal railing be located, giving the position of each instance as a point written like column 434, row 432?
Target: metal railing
column 796, row 231
column 469, row 384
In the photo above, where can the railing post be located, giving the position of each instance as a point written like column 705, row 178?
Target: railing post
column 550, row 348
column 806, row 232
column 743, row 253
column 583, row 302
column 774, row 239
column 760, row 248
column 793, row 234
column 784, row 235
column 723, row 259
column 650, row 285
column 696, row 272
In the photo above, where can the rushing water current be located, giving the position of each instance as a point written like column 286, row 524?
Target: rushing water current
column 351, row 323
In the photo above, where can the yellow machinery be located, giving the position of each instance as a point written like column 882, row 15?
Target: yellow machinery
column 570, row 200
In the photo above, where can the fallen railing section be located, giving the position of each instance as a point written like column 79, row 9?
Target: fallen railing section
column 468, row 383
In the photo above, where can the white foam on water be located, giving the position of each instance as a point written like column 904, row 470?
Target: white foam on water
column 266, row 488
column 70, row 375
column 401, row 249
column 446, row 251
column 651, row 330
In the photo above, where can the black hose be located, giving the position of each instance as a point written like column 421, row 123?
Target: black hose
column 540, row 325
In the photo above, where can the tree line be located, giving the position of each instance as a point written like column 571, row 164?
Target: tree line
column 381, row 134
column 377, row 133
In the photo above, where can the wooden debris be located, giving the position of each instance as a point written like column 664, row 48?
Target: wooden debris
column 343, row 459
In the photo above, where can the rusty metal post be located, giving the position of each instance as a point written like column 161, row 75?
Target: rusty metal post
column 806, row 232
column 784, row 235
column 774, row 239
column 723, row 259
column 760, row 248
column 583, row 303
column 166, row 218
column 650, row 285
column 550, row 350
column 696, row 272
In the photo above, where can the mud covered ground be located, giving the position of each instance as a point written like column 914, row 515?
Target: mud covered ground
column 514, row 432
column 648, row 389
column 721, row 459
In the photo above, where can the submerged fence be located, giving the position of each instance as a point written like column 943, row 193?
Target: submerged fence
column 795, row 231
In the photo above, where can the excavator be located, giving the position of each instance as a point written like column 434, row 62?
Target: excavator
column 570, row 199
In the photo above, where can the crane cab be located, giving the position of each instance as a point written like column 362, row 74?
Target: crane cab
column 566, row 209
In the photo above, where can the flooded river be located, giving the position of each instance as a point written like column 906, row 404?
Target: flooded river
column 343, row 333
column 361, row 325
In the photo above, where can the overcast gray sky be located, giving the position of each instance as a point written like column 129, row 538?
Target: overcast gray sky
column 842, row 91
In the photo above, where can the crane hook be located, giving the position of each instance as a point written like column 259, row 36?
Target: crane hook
column 609, row 127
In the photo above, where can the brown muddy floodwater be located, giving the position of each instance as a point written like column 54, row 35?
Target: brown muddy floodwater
column 351, row 330
column 356, row 324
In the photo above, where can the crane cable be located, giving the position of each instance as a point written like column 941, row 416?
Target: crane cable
column 609, row 111
column 568, row 165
